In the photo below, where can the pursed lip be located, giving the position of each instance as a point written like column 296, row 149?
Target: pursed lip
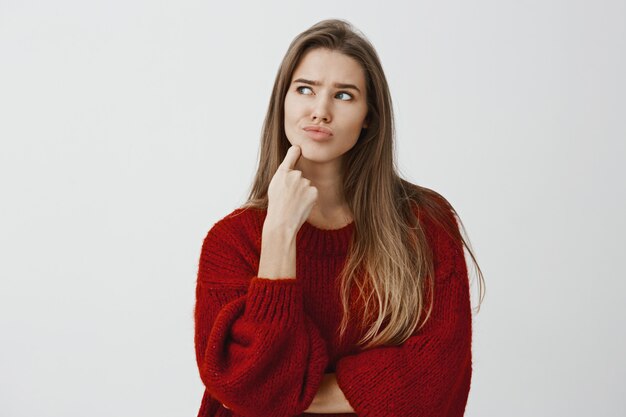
column 317, row 128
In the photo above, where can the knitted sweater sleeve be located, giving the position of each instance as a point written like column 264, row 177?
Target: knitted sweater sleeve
column 429, row 374
column 256, row 350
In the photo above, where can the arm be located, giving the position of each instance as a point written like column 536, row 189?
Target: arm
column 257, row 352
column 429, row 374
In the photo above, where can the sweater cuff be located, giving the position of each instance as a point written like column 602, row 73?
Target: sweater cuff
column 276, row 301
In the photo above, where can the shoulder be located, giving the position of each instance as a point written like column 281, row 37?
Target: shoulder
column 233, row 243
column 439, row 221
column 239, row 225
column 432, row 209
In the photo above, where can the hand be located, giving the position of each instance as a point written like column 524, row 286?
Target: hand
column 290, row 196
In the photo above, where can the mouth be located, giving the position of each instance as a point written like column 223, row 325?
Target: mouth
column 320, row 129
column 318, row 133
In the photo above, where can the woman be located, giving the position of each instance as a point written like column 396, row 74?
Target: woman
column 338, row 287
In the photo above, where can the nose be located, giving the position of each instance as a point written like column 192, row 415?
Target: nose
column 321, row 110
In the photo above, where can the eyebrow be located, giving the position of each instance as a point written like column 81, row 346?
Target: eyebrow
column 337, row 85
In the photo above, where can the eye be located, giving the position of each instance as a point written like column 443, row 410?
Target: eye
column 346, row 94
column 299, row 89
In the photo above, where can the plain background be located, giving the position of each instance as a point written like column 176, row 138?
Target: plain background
column 130, row 127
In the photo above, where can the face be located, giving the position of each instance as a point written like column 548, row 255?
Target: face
column 327, row 93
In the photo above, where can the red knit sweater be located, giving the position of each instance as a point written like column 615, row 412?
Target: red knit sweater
column 262, row 345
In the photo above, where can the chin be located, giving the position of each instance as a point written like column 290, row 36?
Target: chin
column 314, row 154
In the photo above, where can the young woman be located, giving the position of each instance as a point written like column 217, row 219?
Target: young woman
column 338, row 287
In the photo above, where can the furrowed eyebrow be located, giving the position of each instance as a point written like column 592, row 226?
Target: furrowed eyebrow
column 336, row 85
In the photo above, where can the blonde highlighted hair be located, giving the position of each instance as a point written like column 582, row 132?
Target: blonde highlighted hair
column 390, row 259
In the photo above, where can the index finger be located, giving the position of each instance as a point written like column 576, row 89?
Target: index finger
column 291, row 158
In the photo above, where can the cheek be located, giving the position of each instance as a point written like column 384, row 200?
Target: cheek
column 356, row 119
column 290, row 117
column 290, row 109
column 286, row 106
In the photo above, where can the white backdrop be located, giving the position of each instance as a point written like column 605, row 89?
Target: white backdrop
column 128, row 128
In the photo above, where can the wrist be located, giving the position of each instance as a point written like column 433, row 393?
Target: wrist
column 278, row 254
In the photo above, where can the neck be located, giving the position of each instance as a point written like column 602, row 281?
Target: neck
column 326, row 177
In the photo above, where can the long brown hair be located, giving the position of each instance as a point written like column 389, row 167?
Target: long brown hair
column 390, row 259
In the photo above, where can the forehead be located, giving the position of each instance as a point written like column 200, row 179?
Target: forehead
column 329, row 67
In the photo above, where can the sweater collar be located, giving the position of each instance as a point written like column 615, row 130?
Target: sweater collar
column 326, row 242
column 313, row 240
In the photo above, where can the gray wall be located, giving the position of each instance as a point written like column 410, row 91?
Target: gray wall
column 129, row 127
